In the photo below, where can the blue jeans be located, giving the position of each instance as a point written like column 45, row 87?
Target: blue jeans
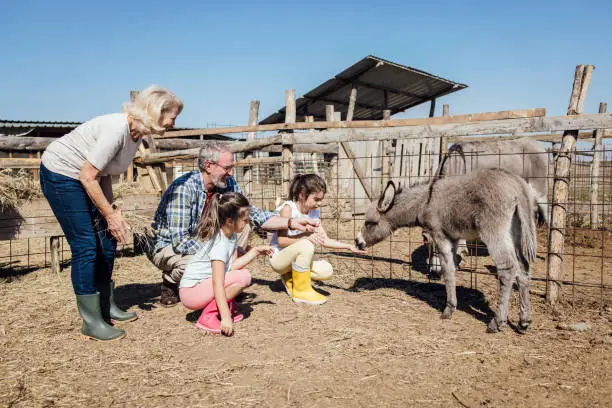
column 93, row 248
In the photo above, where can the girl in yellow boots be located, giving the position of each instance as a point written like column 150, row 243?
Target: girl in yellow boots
column 294, row 250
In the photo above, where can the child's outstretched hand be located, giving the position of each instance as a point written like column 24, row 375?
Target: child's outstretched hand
column 358, row 251
column 264, row 250
column 227, row 326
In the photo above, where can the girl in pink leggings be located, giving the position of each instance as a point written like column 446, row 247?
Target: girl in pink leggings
column 215, row 276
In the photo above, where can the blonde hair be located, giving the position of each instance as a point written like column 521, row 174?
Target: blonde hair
column 148, row 107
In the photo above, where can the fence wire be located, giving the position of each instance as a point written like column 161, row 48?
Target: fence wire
column 587, row 278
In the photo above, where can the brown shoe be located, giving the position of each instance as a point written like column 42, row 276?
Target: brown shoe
column 169, row 294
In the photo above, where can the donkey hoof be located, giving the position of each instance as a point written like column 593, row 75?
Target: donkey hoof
column 524, row 327
column 493, row 327
column 448, row 312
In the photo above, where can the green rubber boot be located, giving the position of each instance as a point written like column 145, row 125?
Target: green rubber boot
column 108, row 307
column 94, row 326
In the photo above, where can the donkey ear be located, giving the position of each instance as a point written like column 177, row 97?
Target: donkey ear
column 386, row 200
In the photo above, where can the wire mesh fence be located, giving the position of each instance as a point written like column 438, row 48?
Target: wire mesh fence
column 587, row 277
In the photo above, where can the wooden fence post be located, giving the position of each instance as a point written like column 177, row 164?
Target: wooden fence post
column 248, row 172
column 554, row 275
column 443, row 140
column 54, row 249
column 155, row 174
column 351, row 106
column 313, row 156
column 386, row 148
column 594, row 187
column 334, row 166
column 288, row 166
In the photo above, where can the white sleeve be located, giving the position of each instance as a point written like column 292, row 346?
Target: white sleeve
column 218, row 252
column 108, row 144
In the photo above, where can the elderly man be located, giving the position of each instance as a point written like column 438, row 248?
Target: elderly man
column 180, row 208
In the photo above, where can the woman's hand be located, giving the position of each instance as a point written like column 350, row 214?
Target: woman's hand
column 227, row 326
column 305, row 224
column 117, row 226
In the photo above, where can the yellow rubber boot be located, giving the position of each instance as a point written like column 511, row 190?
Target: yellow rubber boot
column 287, row 280
column 303, row 291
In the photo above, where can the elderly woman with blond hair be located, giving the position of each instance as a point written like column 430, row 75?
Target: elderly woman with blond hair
column 75, row 177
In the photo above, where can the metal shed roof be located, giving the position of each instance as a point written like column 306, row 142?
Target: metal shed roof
column 59, row 128
column 381, row 84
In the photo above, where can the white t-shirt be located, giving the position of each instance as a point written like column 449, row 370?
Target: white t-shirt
column 220, row 248
column 104, row 141
column 295, row 213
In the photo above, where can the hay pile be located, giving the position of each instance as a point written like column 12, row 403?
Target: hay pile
column 126, row 189
column 17, row 186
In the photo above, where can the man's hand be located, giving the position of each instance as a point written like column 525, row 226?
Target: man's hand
column 305, row 224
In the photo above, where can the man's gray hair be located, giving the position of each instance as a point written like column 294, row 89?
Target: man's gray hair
column 211, row 152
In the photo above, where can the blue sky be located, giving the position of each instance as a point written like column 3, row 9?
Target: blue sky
column 73, row 60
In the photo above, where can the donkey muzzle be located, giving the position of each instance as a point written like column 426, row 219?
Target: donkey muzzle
column 360, row 242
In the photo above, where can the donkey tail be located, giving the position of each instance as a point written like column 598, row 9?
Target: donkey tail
column 526, row 209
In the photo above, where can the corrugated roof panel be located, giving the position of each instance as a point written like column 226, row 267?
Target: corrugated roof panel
column 39, row 124
column 381, row 84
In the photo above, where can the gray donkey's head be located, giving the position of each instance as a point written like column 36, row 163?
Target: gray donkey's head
column 395, row 209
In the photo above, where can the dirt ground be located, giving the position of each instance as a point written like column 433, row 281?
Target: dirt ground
column 379, row 341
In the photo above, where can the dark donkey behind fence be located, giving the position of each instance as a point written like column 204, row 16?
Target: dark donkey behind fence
column 525, row 157
column 491, row 204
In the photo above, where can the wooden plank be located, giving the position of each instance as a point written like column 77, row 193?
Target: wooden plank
column 258, row 160
column 443, row 137
column 35, row 218
column 288, row 165
column 305, row 148
column 150, row 171
column 594, row 187
column 357, row 169
column 476, row 117
column 351, row 105
column 54, row 249
column 18, row 163
column 20, row 143
column 556, row 241
column 506, row 126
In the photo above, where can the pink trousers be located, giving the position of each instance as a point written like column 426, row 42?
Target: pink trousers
column 198, row 296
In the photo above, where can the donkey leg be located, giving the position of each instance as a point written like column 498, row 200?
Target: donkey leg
column 461, row 250
column 523, row 280
column 508, row 269
column 447, row 261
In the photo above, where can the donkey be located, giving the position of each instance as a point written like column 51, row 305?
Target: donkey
column 524, row 157
column 491, row 204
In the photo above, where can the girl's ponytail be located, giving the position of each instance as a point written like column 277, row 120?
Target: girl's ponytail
column 220, row 208
column 209, row 223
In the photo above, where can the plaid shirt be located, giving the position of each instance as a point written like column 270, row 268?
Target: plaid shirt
column 180, row 208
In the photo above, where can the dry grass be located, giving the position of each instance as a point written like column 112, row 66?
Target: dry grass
column 127, row 189
column 379, row 341
column 17, row 186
